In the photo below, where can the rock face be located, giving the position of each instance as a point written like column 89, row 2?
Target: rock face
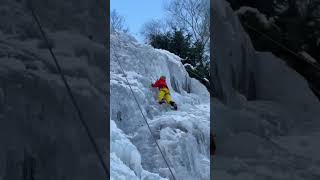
column 258, row 99
column 40, row 131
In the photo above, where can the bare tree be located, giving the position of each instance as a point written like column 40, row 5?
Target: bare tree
column 117, row 22
column 191, row 15
column 153, row 27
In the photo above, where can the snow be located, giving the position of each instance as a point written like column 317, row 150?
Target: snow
column 32, row 91
column 183, row 135
column 261, row 17
column 189, row 65
column 125, row 159
column 119, row 170
column 267, row 118
column 307, row 57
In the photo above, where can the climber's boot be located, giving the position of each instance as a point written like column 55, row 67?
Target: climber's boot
column 162, row 101
column 174, row 105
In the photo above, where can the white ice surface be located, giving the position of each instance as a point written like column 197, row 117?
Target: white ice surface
column 183, row 135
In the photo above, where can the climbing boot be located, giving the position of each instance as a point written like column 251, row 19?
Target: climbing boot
column 174, row 105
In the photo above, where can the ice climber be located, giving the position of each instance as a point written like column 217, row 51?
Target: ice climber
column 164, row 93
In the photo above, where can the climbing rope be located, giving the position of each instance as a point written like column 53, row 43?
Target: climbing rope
column 145, row 119
column 94, row 144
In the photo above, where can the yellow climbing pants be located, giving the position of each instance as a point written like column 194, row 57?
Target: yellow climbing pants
column 164, row 94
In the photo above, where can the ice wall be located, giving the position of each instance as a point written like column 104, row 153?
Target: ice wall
column 183, row 135
column 259, row 99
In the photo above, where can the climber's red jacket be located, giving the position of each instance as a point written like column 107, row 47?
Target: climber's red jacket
column 161, row 83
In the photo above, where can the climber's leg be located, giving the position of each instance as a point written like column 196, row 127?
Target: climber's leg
column 168, row 98
column 161, row 96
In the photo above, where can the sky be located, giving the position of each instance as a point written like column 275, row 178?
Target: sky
column 138, row 12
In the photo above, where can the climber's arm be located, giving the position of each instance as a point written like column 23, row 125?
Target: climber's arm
column 156, row 84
